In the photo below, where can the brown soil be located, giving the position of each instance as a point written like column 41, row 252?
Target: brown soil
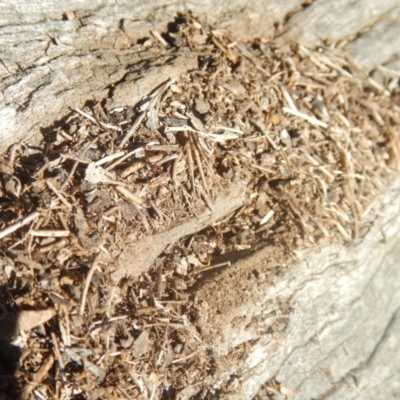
column 110, row 228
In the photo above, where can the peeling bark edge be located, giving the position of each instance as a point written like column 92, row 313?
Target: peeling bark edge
column 139, row 257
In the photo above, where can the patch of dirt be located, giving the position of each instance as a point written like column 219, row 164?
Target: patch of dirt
column 304, row 138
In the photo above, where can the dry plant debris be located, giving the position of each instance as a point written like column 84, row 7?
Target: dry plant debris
column 313, row 139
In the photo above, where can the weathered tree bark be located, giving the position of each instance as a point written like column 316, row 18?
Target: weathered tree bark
column 49, row 63
column 328, row 327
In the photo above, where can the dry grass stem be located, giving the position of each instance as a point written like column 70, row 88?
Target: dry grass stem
column 110, row 158
column 210, row 267
column 199, row 165
column 59, row 195
column 14, row 227
column 265, row 133
column 94, row 267
column 150, row 104
column 128, row 195
column 306, row 117
column 50, row 233
column 157, row 35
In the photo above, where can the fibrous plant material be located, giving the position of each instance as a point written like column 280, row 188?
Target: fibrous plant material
column 303, row 140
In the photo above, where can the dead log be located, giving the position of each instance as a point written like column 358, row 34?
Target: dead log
column 325, row 327
column 54, row 57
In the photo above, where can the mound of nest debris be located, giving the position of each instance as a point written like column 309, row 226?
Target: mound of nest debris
column 110, row 224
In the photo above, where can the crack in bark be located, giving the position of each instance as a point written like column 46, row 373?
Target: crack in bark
column 370, row 26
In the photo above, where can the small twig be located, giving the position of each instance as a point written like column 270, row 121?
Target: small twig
column 175, row 169
column 190, row 163
column 142, row 216
column 223, row 221
column 65, row 135
column 12, row 228
column 62, row 221
column 199, row 166
column 58, row 357
column 87, row 116
column 205, row 196
column 50, row 233
column 210, row 169
column 109, row 126
column 299, row 215
column 270, row 171
column 13, row 152
column 311, row 120
column 242, row 48
column 288, row 99
column 226, row 128
column 262, row 129
column 209, row 267
column 326, row 172
column 53, row 246
column 131, row 197
column 110, row 158
column 187, row 357
column 267, row 217
column 167, row 158
column 37, row 377
column 36, row 225
column 59, row 195
column 95, row 266
column 50, row 164
column 158, row 291
column 127, row 396
column 109, row 302
column 139, row 164
column 157, row 35
column 141, row 116
column 136, row 202
column 340, row 228
column 156, row 209
column 97, row 122
column 219, row 138
column 122, row 159
column 133, row 129
column 186, row 196
column 335, row 67
column 162, row 147
column 77, row 161
column 130, row 169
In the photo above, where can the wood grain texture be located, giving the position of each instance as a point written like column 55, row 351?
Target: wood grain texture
column 370, row 28
column 49, row 64
column 336, row 20
column 380, row 43
column 327, row 328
